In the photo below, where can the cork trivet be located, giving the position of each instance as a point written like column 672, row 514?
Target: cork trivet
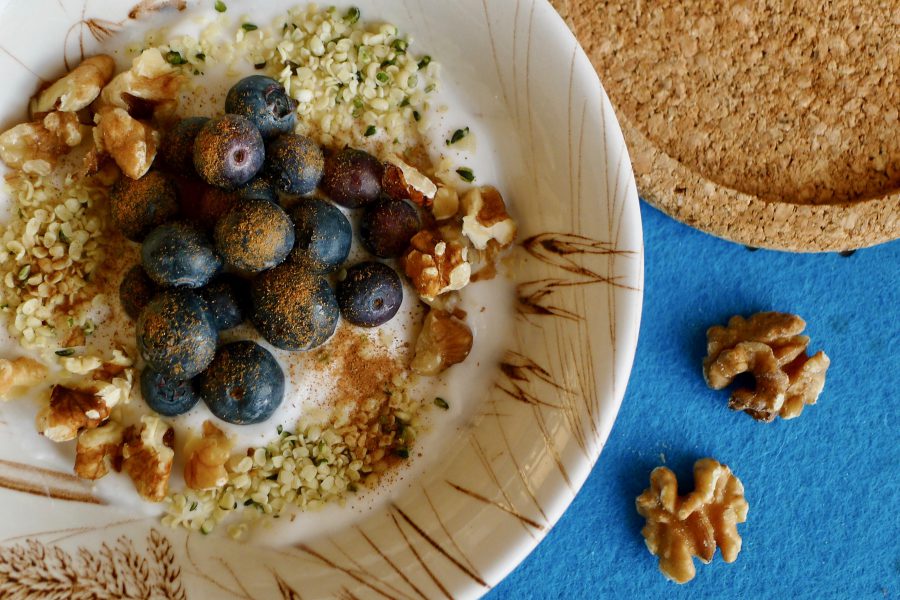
column 773, row 124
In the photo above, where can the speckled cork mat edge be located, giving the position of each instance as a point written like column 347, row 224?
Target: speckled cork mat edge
column 699, row 202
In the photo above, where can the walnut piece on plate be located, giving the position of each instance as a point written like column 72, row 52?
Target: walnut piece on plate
column 98, row 450
column 19, row 373
column 486, row 218
column 404, row 182
column 768, row 346
column 681, row 527
column 77, row 89
column 446, row 203
column 148, row 89
column 70, row 412
column 147, row 457
column 131, row 143
column 206, row 457
column 435, row 266
column 443, row 342
column 45, row 141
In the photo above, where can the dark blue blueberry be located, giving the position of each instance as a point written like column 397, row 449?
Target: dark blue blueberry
column 254, row 235
column 136, row 291
column 293, row 309
column 370, row 295
column 323, row 235
column 264, row 102
column 165, row 396
column 208, row 206
column 387, row 226
column 139, row 205
column 243, row 385
column 352, row 178
column 260, row 188
column 228, row 299
column 294, row 164
column 176, row 151
column 178, row 254
column 228, row 152
column 176, row 334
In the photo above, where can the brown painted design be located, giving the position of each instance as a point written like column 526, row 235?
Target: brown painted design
column 103, row 29
column 520, row 471
column 35, row 571
column 492, row 475
column 23, row 65
column 519, row 370
column 358, row 568
column 440, row 520
column 43, row 482
column 504, row 508
column 349, row 572
column 558, row 249
column 287, row 592
column 388, row 560
column 471, row 573
column 346, row 594
column 421, row 562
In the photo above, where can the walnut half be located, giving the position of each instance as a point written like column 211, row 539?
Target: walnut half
column 436, row 266
column 19, row 373
column 78, row 88
column 97, row 450
column 206, row 458
column 486, row 218
column 131, row 143
column 404, row 182
column 45, row 140
column 768, row 346
column 70, row 412
column 148, row 89
column 147, row 457
column 443, row 342
column 681, row 527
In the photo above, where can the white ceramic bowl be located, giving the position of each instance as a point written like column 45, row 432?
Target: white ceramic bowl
column 495, row 491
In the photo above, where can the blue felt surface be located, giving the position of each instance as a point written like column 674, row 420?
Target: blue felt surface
column 824, row 489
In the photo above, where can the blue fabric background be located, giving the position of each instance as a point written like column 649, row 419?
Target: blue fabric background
column 824, row 489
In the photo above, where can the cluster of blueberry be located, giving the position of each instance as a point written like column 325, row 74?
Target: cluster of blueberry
column 218, row 248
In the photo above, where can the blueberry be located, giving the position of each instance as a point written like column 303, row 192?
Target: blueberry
column 228, row 152
column 136, row 291
column 370, row 295
column 178, row 254
column 243, row 385
column 387, row 226
column 293, row 309
column 324, row 235
column 294, row 164
column 264, row 102
column 168, row 397
column 228, row 299
column 352, row 178
column 254, row 236
column 259, row 188
column 209, row 206
column 139, row 205
column 176, row 151
column 176, row 334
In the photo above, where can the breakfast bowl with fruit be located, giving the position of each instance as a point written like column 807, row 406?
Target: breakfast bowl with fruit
column 354, row 287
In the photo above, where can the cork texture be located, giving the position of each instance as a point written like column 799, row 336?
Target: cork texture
column 770, row 124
